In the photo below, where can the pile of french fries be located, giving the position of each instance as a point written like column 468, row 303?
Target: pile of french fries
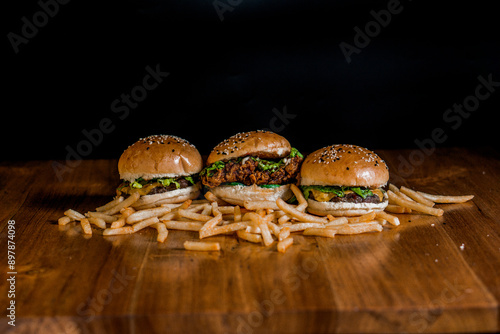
column 258, row 222
column 406, row 200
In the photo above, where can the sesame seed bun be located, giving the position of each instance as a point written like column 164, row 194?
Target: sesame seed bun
column 262, row 144
column 159, row 156
column 347, row 166
column 344, row 165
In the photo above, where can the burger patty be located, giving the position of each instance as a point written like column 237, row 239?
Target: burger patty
column 354, row 198
column 162, row 189
column 152, row 187
column 248, row 172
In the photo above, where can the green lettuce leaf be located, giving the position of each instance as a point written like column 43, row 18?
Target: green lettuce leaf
column 260, row 185
column 213, row 167
column 337, row 190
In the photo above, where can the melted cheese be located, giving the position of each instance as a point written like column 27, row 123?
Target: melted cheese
column 142, row 191
column 379, row 193
column 321, row 196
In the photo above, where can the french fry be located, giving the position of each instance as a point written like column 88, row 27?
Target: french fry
column 260, row 205
column 86, row 226
column 201, row 246
column 148, row 202
column 394, row 188
column 64, row 220
column 226, row 210
column 300, row 198
column 174, row 214
column 224, row 229
column 237, row 214
column 146, row 214
column 145, row 223
column 186, row 204
column 385, row 216
column 75, row 215
column 100, row 215
column 212, row 198
column 109, row 205
column 259, row 221
column 283, row 219
column 266, row 234
column 274, row 228
column 120, row 222
column 416, row 196
column 363, row 218
column 253, row 229
column 255, row 238
column 414, row 205
column 445, row 198
column 194, row 216
column 207, row 210
column 320, row 232
column 198, row 207
column 215, row 209
column 398, row 192
column 125, row 203
column 284, row 244
column 183, row 226
column 302, row 226
column 261, row 212
column 99, row 222
column 210, row 224
column 358, row 228
column 338, row 221
column 284, row 233
column 394, row 208
column 162, row 231
column 292, row 211
column 120, row 230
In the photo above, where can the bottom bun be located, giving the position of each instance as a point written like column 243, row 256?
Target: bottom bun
column 168, row 197
column 339, row 209
column 237, row 195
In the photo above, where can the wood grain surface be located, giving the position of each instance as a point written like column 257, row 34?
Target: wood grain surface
column 430, row 274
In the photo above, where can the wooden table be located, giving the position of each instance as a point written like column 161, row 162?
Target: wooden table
column 431, row 274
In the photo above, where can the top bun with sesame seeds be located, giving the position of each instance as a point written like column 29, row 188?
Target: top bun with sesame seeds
column 161, row 168
column 262, row 144
column 159, row 156
column 344, row 165
column 344, row 180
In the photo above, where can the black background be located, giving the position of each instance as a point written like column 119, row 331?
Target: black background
column 227, row 76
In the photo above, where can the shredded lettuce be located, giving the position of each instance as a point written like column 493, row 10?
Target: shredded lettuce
column 294, row 152
column 209, row 170
column 140, row 182
column 263, row 165
column 167, row 182
column 337, row 190
column 190, row 179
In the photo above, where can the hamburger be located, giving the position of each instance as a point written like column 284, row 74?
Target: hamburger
column 161, row 168
column 344, row 180
column 254, row 166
